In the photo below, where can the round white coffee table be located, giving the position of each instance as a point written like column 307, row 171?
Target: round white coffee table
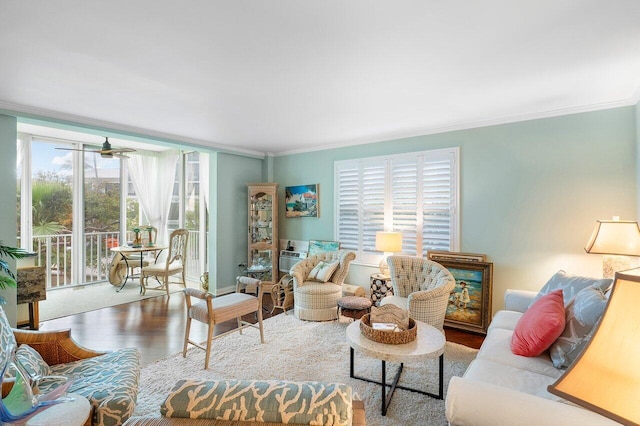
column 429, row 344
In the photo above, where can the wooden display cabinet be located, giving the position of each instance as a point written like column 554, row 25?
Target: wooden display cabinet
column 262, row 259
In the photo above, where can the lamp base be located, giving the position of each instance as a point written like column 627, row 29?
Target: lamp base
column 384, row 266
column 614, row 263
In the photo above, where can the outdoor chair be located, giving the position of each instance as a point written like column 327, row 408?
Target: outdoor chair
column 175, row 264
column 422, row 287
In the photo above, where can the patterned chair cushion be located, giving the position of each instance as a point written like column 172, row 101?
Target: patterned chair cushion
column 109, row 382
column 32, row 362
column 261, row 401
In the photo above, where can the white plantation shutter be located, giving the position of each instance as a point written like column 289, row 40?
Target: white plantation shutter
column 372, row 195
column 437, row 205
column 405, row 202
column 415, row 193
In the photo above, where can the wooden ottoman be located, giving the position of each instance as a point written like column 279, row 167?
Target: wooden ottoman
column 353, row 306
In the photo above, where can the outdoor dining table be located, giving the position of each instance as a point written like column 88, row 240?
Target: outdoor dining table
column 125, row 250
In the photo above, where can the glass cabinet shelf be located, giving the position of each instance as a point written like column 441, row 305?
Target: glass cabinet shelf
column 263, row 233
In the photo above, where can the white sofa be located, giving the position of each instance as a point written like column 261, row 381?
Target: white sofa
column 500, row 388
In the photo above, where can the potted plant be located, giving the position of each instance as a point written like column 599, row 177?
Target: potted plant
column 7, row 277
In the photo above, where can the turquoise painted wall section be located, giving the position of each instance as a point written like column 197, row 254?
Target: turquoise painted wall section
column 230, row 178
column 8, row 195
column 530, row 191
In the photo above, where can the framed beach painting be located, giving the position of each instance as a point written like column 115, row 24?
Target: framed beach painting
column 301, row 200
column 320, row 246
column 469, row 306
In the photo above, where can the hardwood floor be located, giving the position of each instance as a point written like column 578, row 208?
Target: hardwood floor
column 156, row 327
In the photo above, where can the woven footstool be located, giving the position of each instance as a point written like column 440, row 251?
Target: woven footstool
column 353, row 306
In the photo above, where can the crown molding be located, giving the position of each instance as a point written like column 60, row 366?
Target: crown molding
column 469, row 125
column 80, row 121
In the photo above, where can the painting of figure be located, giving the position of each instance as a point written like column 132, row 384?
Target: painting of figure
column 469, row 304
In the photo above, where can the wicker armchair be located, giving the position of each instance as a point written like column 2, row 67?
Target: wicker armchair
column 422, row 287
column 317, row 301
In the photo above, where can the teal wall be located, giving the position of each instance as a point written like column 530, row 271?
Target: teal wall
column 230, row 175
column 8, row 195
column 530, row 191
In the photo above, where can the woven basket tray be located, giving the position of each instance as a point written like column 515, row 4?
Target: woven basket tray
column 388, row 337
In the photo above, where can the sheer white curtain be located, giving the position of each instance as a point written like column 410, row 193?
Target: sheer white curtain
column 153, row 175
column 204, row 177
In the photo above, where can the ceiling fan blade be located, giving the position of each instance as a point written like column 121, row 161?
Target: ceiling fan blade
column 70, row 149
column 123, row 150
column 95, row 149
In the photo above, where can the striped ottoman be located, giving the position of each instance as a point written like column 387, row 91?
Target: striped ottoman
column 353, row 306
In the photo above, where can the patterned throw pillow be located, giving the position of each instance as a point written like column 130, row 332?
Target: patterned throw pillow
column 323, row 271
column 261, row 401
column 582, row 314
column 570, row 285
column 32, row 362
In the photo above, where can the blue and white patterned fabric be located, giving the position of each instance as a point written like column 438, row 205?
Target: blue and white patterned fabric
column 309, row 403
column 109, row 381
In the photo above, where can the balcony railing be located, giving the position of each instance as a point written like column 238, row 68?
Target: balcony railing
column 54, row 252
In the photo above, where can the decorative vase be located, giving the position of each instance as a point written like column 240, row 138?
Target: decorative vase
column 150, row 230
column 204, row 281
column 137, row 242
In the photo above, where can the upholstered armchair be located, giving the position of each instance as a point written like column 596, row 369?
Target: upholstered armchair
column 422, row 287
column 315, row 299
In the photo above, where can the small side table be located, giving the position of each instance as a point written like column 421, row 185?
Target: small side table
column 380, row 287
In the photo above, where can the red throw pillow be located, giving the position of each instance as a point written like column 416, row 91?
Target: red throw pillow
column 539, row 326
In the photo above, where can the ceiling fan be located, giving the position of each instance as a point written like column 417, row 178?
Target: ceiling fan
column 106, row 151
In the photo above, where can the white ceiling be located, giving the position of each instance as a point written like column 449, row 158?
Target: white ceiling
column 287, row 75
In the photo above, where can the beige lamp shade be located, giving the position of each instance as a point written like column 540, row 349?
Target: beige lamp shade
column 388, row 242
column 615, row 237
column 606, row 376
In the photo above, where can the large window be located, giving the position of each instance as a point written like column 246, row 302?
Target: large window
column 415, row 193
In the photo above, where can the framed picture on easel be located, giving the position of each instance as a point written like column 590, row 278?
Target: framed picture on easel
column 469, row 306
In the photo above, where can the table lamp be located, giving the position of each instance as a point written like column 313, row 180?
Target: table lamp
column 616, row 239
column 389, row 243
column 606, row 376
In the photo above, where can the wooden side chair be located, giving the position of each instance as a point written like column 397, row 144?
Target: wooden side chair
column 212, row 311
column 174, row 264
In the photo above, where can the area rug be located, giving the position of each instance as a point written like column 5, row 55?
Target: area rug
column 75, row 300
column 301, row 350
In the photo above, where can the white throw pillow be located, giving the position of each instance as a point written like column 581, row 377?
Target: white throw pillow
column 571, row 285
column 323, row 271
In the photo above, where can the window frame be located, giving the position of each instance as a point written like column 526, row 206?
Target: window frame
column 365, row 252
